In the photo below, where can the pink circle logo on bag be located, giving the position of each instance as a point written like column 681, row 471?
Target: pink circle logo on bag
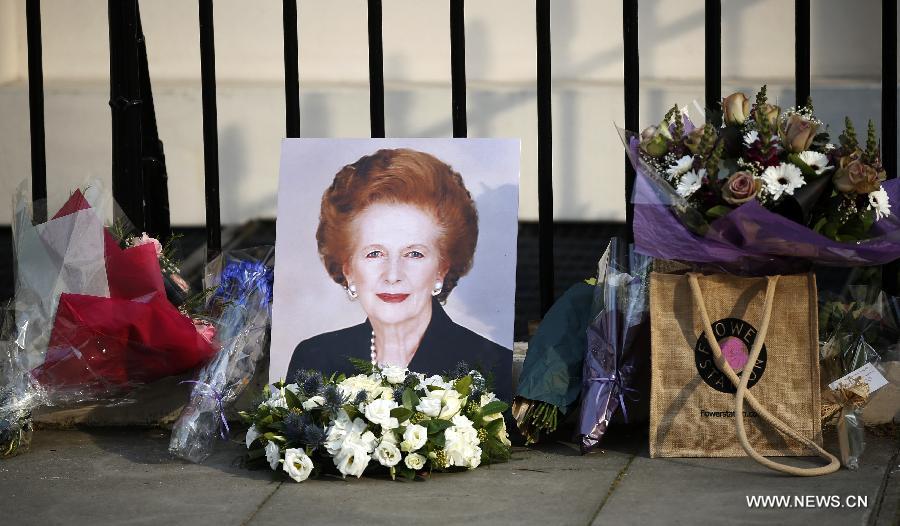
column 735, row 338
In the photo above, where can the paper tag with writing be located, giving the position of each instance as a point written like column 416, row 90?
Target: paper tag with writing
column 868, row 373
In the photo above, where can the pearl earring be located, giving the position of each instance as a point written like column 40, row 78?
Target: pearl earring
column 438, row 287
column 351, row 292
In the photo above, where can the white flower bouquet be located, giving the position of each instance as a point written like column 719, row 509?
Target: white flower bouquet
column 390, row 419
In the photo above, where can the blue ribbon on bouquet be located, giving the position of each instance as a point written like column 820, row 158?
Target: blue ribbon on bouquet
column 620, row 391
column 220, row 406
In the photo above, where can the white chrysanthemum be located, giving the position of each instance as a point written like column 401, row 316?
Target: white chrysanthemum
column 690, row 182
column 815, row 160
column 782, row 179
column 750, row 137
column 879, row 201
column 681, row 166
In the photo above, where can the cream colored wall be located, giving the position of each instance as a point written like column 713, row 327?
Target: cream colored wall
column 757, row 47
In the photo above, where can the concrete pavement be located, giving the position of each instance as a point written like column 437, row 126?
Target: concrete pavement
column 126, row 476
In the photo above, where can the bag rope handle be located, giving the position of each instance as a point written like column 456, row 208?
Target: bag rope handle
column 743, row 394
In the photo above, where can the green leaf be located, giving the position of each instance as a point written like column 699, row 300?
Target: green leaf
column 464, row 385
column 497, row 406
column 410, row 399
column 436, row 426
column 401, row 413
column 438, row 440
column 256, row 453
column 805, row 168
column 292, row 400
column 718, row 211
column 494, row 426
column 406, row 473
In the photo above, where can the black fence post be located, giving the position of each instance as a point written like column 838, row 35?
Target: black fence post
column 458, row 66
column 376, row 70
column 125, row 101
column 291, row 69
column 801, row 51
column 889, row 115
column 632, row 101
column 210, row 130
column 545, row 157
column 713, row 61
column 153, row 158
column 36, row 110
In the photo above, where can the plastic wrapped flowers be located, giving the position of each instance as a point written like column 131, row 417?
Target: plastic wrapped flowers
column 390, row 419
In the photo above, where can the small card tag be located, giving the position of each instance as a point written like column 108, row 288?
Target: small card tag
column 869, row 374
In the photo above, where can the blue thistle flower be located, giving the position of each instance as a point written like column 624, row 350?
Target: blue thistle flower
column 360, row 398
column 334, row 400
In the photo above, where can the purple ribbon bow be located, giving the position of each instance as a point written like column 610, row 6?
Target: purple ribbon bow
column 619, row 391
column 225, row 430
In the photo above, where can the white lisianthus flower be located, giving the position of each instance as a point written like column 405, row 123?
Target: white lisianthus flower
column 276, row 399
column 297, row 464
column 389, row 435
column 461, row 421
column 414, row 461
column 782, row 179
column 681, row 166
column 313, row 402
column 414, row 437
column 339, row 431
column 461, row 446
column 393, row 374
column 273, row 454
column 252, row 434
column 815, row 160
column 751, row 137
column 437, row 381
column 352, row 460
column 879, row 201
column 379, row 413
column 387, row 454
column 690, row 182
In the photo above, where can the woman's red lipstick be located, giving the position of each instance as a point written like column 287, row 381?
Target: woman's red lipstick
column 392, row 298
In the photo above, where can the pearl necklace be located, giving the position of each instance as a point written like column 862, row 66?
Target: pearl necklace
column 372, row 348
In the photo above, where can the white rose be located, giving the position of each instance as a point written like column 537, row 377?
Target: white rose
column 252, row 434
column 387, row 454
column 414, row 437
column 350, row 387
column 430, row 406
column 297, row 464
column 394, row 374
column 379, row 413
column 414, row 461
column 352, row 460
column 273, row 454
column 450, row 402
column 313, row 402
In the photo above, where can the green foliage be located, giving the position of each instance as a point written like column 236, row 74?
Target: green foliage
column 410, row 399
column 718, row 211
column 848, row 137
column 362, row 366
column 491, row 408
column 463, row 386
column 872, row 153
column 761, row 97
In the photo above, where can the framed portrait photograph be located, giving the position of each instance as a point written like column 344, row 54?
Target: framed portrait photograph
column 399, row 252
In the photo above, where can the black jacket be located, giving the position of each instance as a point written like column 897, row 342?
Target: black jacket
column 443, row 346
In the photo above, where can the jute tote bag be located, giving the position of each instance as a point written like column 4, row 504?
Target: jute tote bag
column 719, row 341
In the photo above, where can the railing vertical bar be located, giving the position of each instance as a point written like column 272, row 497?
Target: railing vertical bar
column 36, row 109
column 210, row 130
column 545, row 157
column 632, row 100
column 126, row 109
column 458, row 66
column 889, row 113
column 291, row 70
column 801, row 50
column 153, row 159
column 376, row 70
column 713, row 60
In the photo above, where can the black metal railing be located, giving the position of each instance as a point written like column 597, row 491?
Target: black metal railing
column 713, row 89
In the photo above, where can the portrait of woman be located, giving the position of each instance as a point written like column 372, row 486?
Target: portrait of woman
column 397, row 231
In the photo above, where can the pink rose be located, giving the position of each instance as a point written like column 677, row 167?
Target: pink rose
column 146, row 240
column 740, row 188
